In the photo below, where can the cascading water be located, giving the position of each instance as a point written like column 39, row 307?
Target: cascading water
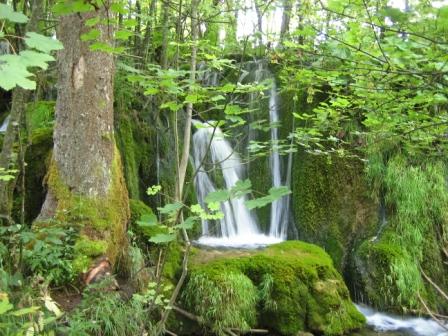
column 238, row 227
column 279, row 208
column 5, row 124
column 213, row 155
column 415, row 326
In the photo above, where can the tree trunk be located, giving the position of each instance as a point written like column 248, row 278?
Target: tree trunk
column 20, row 98
column 85, row 179
column 286, row 18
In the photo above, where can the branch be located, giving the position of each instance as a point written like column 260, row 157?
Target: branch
column 434, row 284
column 439, row 322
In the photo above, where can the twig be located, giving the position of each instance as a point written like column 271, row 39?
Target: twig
column 439, row 322
column 251, row 331
column 170, row 333
column 188, row 315
column 434, row 284
column 230, row 332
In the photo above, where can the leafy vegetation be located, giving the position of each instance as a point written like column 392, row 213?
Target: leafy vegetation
column 361, row 92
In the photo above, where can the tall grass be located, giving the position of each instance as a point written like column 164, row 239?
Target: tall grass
column 225, row 301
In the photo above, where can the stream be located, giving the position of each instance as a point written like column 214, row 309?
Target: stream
column 387, row 324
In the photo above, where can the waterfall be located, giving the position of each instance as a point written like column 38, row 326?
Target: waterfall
column 279, row 208
column 5, row 124
column 238, row 227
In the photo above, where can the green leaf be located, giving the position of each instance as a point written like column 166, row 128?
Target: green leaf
column 92, row 34
column 130, row 23
column 163, row 238
column 151, row 91
column 36, row 59
column 13, row 72
column 220, row 195
column 8, row 13
column 241, row 188
column 25, row 311
column 170, row 208
column 191, row 98
column 104, row 47
column 65, row 7
column 118, row 8
column 147, row 220
column 274, row 194
column 188, row 223
column 42, row 43
column 92, row 22
column 123, row 34
column 5, row 306
column 172, row 105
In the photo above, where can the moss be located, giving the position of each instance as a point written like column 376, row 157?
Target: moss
column 173, row 261
column 127, row 146
column 306, row 292
column 331, row 204
column 89, row 247
column 388, row 266
column 101, row 221
column 38, row 152
column 138, row 209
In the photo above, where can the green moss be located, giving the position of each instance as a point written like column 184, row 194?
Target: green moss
column 37, row 158
column 138, row 209
column 127, row 146
column 305, row 291
column 101, row 221
column 389, row 265
column 89, row 247
column 331, row 204
column 173, row 261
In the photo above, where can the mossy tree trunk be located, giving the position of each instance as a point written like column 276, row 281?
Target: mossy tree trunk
column 85, row 179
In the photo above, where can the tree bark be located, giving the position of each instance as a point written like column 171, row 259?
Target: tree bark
column 20, row 97
column 85, row 174
column 286, row 18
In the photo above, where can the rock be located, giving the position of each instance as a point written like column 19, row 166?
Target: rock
column 286, row 288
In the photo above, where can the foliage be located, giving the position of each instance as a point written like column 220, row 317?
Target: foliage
column 294, row 287
column 14, row 70
column 32, row 320
column 102, row 312
column 230, row 301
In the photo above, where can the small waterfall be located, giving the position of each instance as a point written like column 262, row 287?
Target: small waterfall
column 238, row 227
column 5, row 124
column 279, row 208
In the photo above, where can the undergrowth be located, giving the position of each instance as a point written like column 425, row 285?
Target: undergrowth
column 105, row 313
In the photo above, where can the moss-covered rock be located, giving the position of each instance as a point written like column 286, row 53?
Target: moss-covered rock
column 390, row 268
column 331, row 204
column 286, row 288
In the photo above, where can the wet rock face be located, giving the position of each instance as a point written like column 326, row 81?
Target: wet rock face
column 286, row 288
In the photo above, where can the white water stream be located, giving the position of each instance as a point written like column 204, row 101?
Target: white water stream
column 4, row 125
column 238, row 227
column 279, row 208
column 417, row 326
